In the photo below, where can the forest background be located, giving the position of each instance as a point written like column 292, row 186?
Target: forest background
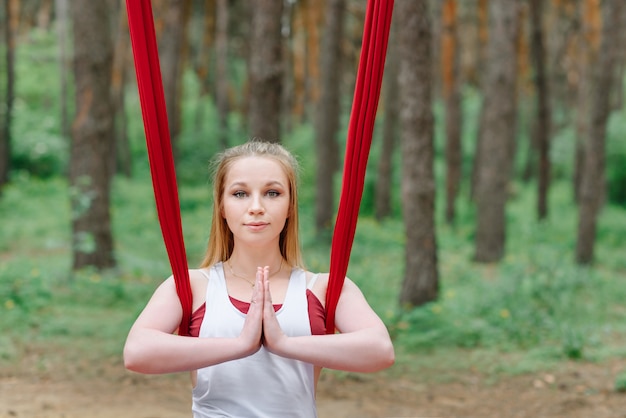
column 492, row 230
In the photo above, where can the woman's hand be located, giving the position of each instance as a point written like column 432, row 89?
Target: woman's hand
column 273, row 335
column 252, row 332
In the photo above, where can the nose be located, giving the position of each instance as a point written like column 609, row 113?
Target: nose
column 256, row 206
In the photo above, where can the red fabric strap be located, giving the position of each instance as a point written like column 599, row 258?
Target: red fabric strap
column 358, row 143
column 361, row 127
column 150, row 86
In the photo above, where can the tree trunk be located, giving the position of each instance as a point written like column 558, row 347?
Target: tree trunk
column 482, row 16
column 483, row 38
column 11, row 14
column 498, row 132
column 121, row 56
column 563, row 22
column 265, row 70
column 313, row 21
column 328, row 112
column 452, row 100
column 543, row 126
column 44, row 12
column 287, row 99
column 221, row 69
column 202, row 62
column 62, row 12
column 421, row 282
column 298, row 65
column 592, row 188
column 172, row 52
column 390, row 125
column 92, row 134
column 590, row 15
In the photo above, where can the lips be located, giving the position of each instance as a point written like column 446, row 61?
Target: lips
column 257, row 226
column 256, row 223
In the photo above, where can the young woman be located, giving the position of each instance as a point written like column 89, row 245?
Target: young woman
column 259, row 314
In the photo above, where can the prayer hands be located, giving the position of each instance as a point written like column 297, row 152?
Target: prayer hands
column 261, row 326
column 273, row 335
column 252, row 332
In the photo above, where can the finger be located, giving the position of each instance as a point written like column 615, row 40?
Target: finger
column 257, row 292
column 266, row 280
column 268, row 308
column 266, row 283
column 259, row 276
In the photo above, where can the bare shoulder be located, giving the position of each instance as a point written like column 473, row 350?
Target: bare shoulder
column 322, row 280
column 198, row 279
column 318, row 277
column 321, row 285
column 198, row 276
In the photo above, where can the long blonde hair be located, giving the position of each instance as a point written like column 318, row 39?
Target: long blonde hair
column 221, row 241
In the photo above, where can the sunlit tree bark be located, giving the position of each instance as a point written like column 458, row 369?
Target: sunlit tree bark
column 313, row 20
column 452, row 101
column 44, row 14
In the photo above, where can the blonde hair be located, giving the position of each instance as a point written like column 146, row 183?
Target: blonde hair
column 221, row 241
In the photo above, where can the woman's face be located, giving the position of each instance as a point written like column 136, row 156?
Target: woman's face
column 256, row 200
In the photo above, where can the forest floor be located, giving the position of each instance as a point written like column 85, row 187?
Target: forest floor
column 69, row 388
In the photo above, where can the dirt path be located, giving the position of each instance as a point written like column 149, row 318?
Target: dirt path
column 579, row 390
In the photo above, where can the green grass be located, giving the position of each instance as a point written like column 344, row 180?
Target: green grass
column 536, row 303
column 535, row 308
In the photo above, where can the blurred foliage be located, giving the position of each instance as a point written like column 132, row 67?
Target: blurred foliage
column 537, row 303
column 620, row 382
column 616, row 159
column 537, row 298
column 38, row 144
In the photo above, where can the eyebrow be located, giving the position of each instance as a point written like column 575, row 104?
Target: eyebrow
column 244, row 184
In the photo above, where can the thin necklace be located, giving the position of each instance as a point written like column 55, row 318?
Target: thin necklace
column 244, row 278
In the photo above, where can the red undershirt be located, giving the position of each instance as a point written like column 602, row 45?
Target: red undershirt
column 317, row 315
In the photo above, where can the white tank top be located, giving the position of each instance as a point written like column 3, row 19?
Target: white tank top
column 263, row 384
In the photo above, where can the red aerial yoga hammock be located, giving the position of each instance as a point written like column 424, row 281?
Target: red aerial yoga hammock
column 359, row 139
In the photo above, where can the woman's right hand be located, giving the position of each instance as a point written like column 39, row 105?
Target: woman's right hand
column 252, row 332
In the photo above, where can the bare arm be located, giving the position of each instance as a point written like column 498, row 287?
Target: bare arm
column 152, row 348
column 363, row 344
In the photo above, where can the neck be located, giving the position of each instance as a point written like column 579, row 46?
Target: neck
column 246, row 263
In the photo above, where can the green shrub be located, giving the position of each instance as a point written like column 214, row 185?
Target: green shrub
column 40, row 154
column 616, row 160
column 616, row 177
column 620, row 382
